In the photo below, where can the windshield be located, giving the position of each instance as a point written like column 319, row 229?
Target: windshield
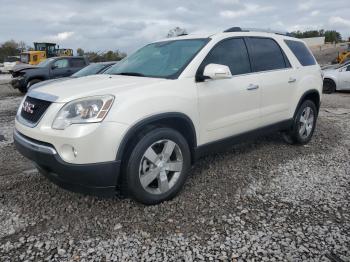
column 91, row 69
column 343, row 64
column 45, row 63
column 163, row 59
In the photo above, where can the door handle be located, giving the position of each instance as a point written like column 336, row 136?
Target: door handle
column 252, row 87
column 292, row 80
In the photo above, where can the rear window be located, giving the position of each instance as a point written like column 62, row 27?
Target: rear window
column 77, row 62
column 266, row 54
column 301, row 52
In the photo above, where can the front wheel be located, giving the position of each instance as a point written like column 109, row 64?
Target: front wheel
column 304, row 124
column 158, row 166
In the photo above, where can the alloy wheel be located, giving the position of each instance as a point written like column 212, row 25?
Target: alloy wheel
column 160, row 166
column 306, row 122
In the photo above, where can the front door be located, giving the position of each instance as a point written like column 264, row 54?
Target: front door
column 344, row 78
column 228, row 106
column 61, row 68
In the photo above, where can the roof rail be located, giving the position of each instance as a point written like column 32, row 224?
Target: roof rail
column 238, row 29
column 277, row 32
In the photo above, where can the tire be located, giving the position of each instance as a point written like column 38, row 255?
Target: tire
column 157, row 177
column 303, row 124
column 329, row 86
column 22, row 89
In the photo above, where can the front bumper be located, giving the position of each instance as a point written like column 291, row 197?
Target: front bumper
column 97, row 178
column 18, row 82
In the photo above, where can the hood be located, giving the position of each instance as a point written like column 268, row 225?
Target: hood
column 20, row 67
column 42, row 83
column 65, row 91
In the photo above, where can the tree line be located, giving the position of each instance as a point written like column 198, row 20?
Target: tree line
column 102, row 56
column 330, row 35
column 12, row 48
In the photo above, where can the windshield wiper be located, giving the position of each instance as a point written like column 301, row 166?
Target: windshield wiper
column 130, row 74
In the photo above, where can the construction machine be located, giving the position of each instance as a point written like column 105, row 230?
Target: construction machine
column 42, row 51
column 343, row 56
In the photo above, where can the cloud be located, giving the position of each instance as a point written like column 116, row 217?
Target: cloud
column 315, row 13
column 128, row 25
column 182, row 9
column 339, row 21
column 61, row 36
column 248, row 9
column 226, row 2
column 305, row 5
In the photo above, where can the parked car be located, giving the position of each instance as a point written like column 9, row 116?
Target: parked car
column 336, row 78
column 91, row 69
column 25, row 75
column 138, row 129
column 9, row 63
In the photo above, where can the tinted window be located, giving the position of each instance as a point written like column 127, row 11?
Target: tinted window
column 77, row 62
column 62, row 63
column 232, row 53
column 301, row 52
column 348, row 68
column 266, row 54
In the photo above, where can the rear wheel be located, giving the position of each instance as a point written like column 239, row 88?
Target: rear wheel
column 303, row 124
column 329, row 86
column 157, row 167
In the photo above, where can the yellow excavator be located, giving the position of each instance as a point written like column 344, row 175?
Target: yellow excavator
column 343, row 56
column 42, row 51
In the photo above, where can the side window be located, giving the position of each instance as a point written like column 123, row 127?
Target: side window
column 232, row 53
column 301, row 52
column 266, row 54
column 77, row 62
column 61, row 63
column 348, row 68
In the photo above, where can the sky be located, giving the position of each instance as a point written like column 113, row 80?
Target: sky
column 128, row 25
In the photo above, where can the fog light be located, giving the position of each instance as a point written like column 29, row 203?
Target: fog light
column 68, row 152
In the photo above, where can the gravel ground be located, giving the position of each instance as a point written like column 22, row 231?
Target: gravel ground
column 261, row 200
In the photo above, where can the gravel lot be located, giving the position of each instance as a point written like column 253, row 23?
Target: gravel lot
column 259, row 201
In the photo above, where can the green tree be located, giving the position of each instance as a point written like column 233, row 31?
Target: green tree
column 105, row 56
column 80, row 51
column 332, row 36
column 9, row 48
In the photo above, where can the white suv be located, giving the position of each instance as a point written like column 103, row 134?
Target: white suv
column 138, row 129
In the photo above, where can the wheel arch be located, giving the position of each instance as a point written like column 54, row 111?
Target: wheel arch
column 178, row 121
column 312, row 95
column 331, row 79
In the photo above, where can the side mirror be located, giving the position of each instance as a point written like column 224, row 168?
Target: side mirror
column 53, row 67
column 216, row 71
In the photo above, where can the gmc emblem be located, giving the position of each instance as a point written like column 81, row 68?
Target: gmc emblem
column 28, row 107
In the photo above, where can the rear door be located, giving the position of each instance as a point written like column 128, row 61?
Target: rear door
column 275, row 76
column 228, row 106
column 76, row 64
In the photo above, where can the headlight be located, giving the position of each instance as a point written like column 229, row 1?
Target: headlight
column 85, row 110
